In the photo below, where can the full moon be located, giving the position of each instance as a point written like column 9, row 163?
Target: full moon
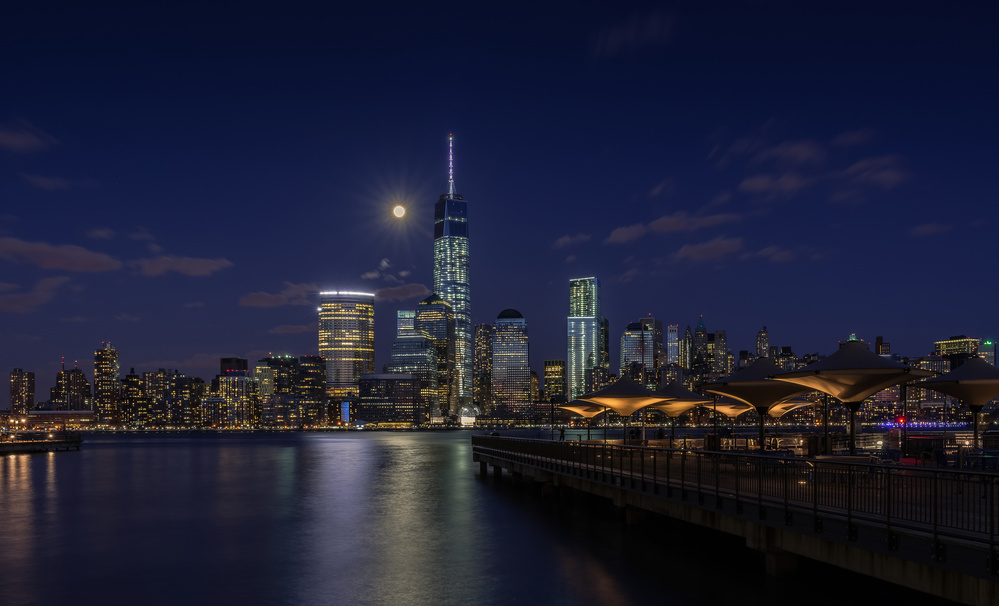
column 399, row 211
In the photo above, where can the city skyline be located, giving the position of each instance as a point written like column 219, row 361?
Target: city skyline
column 744, row 165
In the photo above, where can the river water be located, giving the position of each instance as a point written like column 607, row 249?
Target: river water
column 345, row 518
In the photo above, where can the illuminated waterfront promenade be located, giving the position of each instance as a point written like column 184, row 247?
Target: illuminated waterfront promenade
column 927, row 529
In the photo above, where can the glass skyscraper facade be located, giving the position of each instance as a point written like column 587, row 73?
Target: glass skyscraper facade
column 346, row 340
column 641, row 346
column 435, row 319
column 585, row 338
column 451, row 274
column 673, row 344
column 511, row 366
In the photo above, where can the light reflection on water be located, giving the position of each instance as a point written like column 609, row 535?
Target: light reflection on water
column 358, row 518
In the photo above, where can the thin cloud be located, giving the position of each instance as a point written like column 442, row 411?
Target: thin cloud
column 402, row 292
column 625, row 234
column 793, row 153
column 101, row 233
column 24, row 138
column 294, row 329
column 4, row 287
column 853, row 137
column 141, row 234
column 776, row 254
column 126, row 318
column 786, row 184
column 74, row 320
column 680, row 221
column 929, row 229
column 712, row 249
column 664, row 187
column 567, row 240
column 56, row 183
column 194, row 305
column 883, row 171
column 292, row 294
column 189, row 266
column 26, row 302
column 638, row 32
column 66, row 257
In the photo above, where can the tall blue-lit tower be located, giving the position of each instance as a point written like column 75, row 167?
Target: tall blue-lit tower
column 451, row 273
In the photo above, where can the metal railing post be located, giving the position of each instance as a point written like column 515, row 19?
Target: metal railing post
column 683, row 475
column 700, row 493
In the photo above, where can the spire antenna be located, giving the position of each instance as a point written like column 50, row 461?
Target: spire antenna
column 450, row 164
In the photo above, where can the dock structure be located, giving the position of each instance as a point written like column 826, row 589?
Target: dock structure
column 931, row 530
column 54, row 444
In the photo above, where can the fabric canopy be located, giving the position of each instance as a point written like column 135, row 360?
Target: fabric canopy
column 852, row 373
column 754, row 386
column 680, row 401
column 584, row 409
column 624, row 397
column 976, row 382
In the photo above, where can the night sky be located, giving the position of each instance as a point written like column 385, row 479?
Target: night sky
column 183, row 180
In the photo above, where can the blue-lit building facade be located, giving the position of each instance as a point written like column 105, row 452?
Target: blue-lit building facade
column 451, row 274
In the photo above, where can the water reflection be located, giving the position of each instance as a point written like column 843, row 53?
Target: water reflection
column 359, row 518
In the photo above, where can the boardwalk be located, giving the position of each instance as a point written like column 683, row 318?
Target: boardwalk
column 942, row 521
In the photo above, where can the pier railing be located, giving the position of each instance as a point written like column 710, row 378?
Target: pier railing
column 943, row 502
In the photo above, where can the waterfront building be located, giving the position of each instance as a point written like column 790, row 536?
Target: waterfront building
column 673, row 344
column 310, row 390
column 346, row 340
column 511, row 366
column 451, row 281
column 414, row 354
column 71, row 391
column 22, row 392
column 277, row 376
column 390, row 398
column 586, row 334
column 235, row 402
column 555, row 383
column 482, row 369
column 107, row 385
column 435, row 319
column 762, row 343
column 134, row 404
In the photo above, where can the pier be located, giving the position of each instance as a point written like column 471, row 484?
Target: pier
column 34, row 444
column 932, row 530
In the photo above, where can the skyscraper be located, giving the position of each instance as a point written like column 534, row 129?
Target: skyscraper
column 22, row 392
column 482, row 369
column 71, row 391
column 346, row 340
column 511, row 366
column 415, row 354
column 435, row 319
column 584, row 334
column 673, row 344
column 555, row 389
column 641, row 344
column 762, row 343
column 451, row 273
column 107, row 385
